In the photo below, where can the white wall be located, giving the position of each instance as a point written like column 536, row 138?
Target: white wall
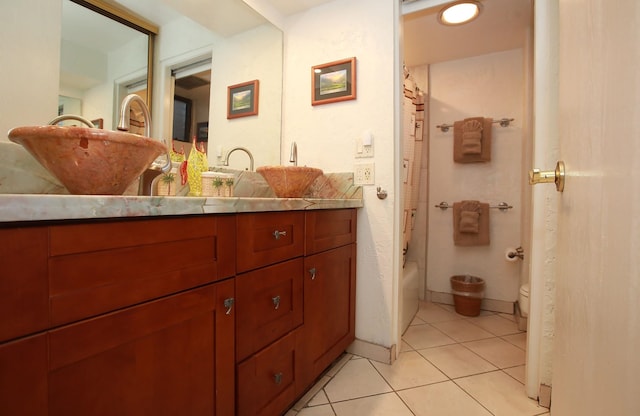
column 491, row 86
column 326, row 135
column 30, row 33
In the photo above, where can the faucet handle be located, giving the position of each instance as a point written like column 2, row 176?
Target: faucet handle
column 293, row 157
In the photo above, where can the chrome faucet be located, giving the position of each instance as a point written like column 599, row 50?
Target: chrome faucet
column 225, row 161
column 146, row 179
column 293, row 158
column 125, row 108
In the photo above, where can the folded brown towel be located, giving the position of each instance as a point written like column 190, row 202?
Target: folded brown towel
column 472, row 140
column 470, row 223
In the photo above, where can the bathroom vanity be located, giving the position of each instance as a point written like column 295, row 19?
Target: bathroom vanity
column 218, row 313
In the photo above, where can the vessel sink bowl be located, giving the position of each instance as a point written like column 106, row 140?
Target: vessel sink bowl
column 289, row 181
column 89, row 161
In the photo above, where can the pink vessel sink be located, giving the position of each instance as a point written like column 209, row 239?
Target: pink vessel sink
column 89, row 161
column 289, row 181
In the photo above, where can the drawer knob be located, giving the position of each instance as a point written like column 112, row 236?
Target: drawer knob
column 277, row 234
column 277, row 378
column 228, row 303
column 312, row 272
column 276, row 301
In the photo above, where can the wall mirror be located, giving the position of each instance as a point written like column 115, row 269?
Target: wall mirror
column 240, row 44
column 106, row 52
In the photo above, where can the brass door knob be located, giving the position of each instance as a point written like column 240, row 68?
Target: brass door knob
column 550, row 176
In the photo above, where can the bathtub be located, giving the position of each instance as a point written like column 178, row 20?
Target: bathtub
column 410, row 294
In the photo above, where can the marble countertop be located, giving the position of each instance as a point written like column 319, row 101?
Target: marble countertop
column 19, row 208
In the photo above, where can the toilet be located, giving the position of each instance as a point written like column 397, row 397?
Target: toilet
column 523, row 300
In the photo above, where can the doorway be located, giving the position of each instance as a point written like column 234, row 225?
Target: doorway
column 456, row 60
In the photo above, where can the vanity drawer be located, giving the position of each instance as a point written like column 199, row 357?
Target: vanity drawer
column 266, row 238
column 327, row 229
column 100, row 267
column 266, row 382
column 268, row 305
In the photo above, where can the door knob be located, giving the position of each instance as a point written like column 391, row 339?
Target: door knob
column 550, row 176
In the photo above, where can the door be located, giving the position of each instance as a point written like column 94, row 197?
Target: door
column 596, row 358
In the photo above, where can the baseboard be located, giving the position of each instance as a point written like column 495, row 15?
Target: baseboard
column 493, row 305
column 375, row 352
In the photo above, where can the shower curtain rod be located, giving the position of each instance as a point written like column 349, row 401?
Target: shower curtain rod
column 502, row 206
column 504, row 122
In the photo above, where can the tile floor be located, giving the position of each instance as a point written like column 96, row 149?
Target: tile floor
column 449, row 365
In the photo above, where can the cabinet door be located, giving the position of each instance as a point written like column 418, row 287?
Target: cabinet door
column 329, row 308
column 158, row 358
column 269, row 302
column 24, row 304
column 23, row 377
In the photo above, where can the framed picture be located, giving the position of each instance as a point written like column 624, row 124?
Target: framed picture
column 333, row 82
column 202, row 131
column 242, row 99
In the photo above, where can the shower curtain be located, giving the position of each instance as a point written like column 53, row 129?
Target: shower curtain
column 413, row 123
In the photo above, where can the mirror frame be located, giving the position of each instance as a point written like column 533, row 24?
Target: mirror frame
column 130, row 19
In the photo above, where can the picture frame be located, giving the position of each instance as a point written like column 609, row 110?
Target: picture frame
column 202, row 131
column 333, row 82
column 243, row 99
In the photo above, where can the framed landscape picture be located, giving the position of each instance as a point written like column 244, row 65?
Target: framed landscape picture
column 333, row 82
column 242, row 99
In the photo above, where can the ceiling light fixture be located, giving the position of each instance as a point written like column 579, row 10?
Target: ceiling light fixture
column 459, row 12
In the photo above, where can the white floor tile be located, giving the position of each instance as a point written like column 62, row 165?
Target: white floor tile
column 519, row 373
column 381, row 405
column 356, row 379
column 496, row 324
column 431, row 312
column 519, row 340
column 324, row 410
column 442, row 399
column 426, row 336
column 318, row 399
column 498, row 352
column 457, row 361
column 501, row 394
column 410, row 370
column 461, row 330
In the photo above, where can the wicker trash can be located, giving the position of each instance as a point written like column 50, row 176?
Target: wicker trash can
column 468, row 292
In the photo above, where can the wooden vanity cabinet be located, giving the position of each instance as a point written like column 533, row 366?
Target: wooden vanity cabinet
column 130, row 317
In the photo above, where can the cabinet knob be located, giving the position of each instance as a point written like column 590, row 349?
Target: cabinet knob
column 228, row 303
column 312, row 272
column 277, row 378
column 276, row 301
column 277, row 234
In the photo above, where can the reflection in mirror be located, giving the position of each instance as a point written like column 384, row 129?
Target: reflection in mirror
column 192, row 92
column 104, row 56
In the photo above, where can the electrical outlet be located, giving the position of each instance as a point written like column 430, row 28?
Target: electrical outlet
column 364, row 174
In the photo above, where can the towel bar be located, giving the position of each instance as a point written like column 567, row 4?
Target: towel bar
column 502, row 206
column 504, row 122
